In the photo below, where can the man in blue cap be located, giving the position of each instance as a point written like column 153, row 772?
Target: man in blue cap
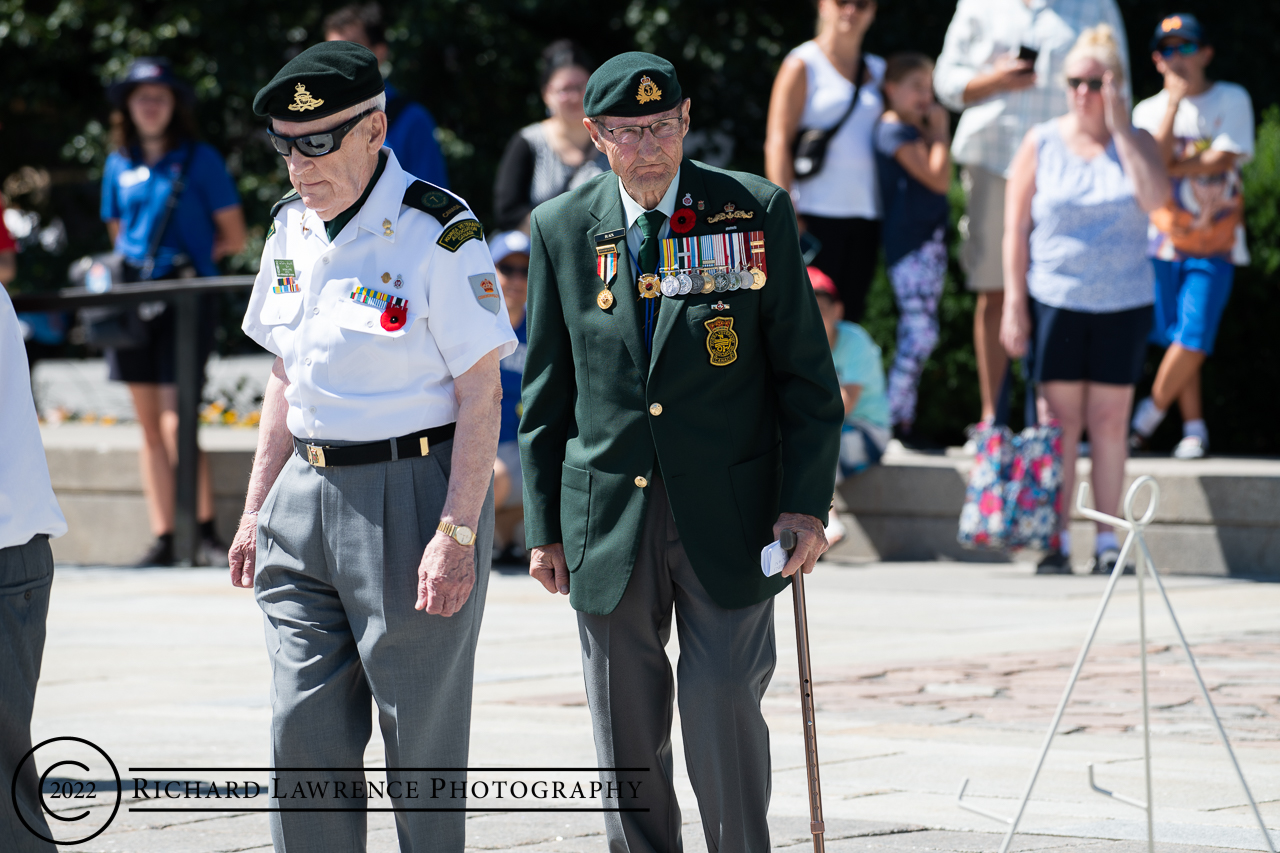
column 680, row 410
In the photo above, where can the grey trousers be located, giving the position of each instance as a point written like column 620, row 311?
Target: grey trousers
column 26, row 572
column 726, row 660
column 338, row 556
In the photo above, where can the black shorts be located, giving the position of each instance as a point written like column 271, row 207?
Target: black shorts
column 154, row 362
column 850, row 250
column 1075, row 346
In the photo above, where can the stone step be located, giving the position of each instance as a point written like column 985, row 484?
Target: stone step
column 1216, row 516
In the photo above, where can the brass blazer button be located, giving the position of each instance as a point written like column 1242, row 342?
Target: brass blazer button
column 655, row 409
column 641, row 482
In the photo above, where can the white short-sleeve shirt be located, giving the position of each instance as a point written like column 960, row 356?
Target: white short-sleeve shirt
column 319, row 306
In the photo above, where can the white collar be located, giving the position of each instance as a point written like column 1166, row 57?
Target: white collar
column 380, row 213
column 667, row 206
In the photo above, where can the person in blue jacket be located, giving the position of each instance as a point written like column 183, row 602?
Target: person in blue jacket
column 411, row 131
column 156, row 149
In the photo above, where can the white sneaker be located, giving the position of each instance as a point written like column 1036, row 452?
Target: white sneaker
column 1191, row 447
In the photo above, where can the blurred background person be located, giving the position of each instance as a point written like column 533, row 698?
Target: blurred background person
column 1076, row 273
column 510, row 250
column 860, row 371
column 411, row 129
column 554, row 155
column 837, row 205
column 1205, row 133
column 914, row 169
column 156, row 148
column 8, row 253
column 1001, row 65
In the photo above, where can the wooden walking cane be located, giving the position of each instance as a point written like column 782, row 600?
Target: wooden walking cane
column 788, row 542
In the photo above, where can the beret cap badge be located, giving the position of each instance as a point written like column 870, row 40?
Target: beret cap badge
column 302, row 100
column 648, row 91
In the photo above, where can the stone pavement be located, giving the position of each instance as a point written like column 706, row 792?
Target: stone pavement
column 927, row 674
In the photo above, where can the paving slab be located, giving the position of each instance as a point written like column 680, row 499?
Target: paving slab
column 927, row 674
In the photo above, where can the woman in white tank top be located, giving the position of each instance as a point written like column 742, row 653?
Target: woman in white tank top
column 839, row 205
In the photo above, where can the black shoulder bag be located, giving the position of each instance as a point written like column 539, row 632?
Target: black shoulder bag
column 125, row 327
column 809, row 151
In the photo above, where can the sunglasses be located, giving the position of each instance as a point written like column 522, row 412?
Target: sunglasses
column 509, row 270
column 1094, row 83
column 315, row 144
column 1187, row 48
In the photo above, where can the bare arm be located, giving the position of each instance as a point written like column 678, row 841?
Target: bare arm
column 850, row 395
column 275, row 444
column 1209, row 162
column 1015, row 324
column 447, row 572
column 113, row 229
column 1138, row 152
column 1008, row 74
column 929, row 160
column 8, row 266
column 230, row 237
column 786, row 105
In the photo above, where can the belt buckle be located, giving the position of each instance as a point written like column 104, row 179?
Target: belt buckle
column 315, row 455
column 424, row 447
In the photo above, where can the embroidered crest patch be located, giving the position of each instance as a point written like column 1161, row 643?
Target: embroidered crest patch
column 485, row 288
column 460, row 232
column 722, row 341
column 286, row 277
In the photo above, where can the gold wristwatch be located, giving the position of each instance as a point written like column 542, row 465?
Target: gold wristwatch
column 460, row 533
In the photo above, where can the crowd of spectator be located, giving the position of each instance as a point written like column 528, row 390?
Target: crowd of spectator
column 1088, row 231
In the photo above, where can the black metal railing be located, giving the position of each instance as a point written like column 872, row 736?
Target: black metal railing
column 182, row 294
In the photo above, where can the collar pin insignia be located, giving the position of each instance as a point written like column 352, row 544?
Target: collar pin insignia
column 386, row 228
column 302, row 100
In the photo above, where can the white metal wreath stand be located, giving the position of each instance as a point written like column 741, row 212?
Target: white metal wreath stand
column 1136, row 528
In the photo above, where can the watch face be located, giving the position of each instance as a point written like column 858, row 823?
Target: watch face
column 464, row 535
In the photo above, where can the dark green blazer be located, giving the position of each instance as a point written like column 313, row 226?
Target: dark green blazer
column 735, row 445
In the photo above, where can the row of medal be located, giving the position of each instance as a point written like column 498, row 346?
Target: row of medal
column 712, row 263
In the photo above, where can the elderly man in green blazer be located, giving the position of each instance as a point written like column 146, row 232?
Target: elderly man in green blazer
column 680, row 409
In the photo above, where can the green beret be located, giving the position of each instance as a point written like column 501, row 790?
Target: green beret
column 632, row 84
column 322, row 80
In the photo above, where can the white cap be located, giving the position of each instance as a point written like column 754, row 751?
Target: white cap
column 508, row 243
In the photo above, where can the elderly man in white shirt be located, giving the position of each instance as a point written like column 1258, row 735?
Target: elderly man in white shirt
column 368, row 523
column 29, row 516
column 1001, row 65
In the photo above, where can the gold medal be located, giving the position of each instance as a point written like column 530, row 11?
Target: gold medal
column 649, row 285
column 605, row 299
column 708, row 282
column 759, row 276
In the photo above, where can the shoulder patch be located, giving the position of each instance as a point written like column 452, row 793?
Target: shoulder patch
column 460, row 232
column 434, row 200
column 292, row 195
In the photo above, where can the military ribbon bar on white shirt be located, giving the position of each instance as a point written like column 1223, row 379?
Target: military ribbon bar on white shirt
column 371, row 297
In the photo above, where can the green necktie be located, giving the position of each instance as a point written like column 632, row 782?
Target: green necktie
column 650, row 224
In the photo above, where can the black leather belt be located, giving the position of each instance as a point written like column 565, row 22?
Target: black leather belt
column 389, row 450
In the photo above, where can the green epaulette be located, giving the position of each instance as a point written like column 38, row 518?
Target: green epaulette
column 292, row 195
column 434, row 200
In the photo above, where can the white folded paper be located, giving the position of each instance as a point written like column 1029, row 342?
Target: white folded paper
column 772, row 559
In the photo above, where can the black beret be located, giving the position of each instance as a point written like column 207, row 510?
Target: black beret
column 632, row 84
column 324, row 79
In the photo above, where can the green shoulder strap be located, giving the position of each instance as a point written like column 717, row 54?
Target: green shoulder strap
column 292, row 195
column 434, row 200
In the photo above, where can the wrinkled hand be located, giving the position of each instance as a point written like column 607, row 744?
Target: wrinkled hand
column 547, row 567
column 1114, row 109
column 445, row 576
column 243, row 554
column 1012, row 73
column 811, row 541
column 1015, row 328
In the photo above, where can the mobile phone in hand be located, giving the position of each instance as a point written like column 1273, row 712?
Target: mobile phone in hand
column 1028, row 53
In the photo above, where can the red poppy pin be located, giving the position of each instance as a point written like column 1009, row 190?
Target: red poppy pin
column 396, row 312
column 683, row 220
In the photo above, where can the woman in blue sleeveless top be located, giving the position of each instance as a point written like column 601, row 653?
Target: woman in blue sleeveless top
column 1078, row 287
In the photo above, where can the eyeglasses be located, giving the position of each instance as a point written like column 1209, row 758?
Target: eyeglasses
column 1094, row 83
column 315, row 144
column 1187, row 48
column 509, row 270
column 632, row 134
column 860, row 5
